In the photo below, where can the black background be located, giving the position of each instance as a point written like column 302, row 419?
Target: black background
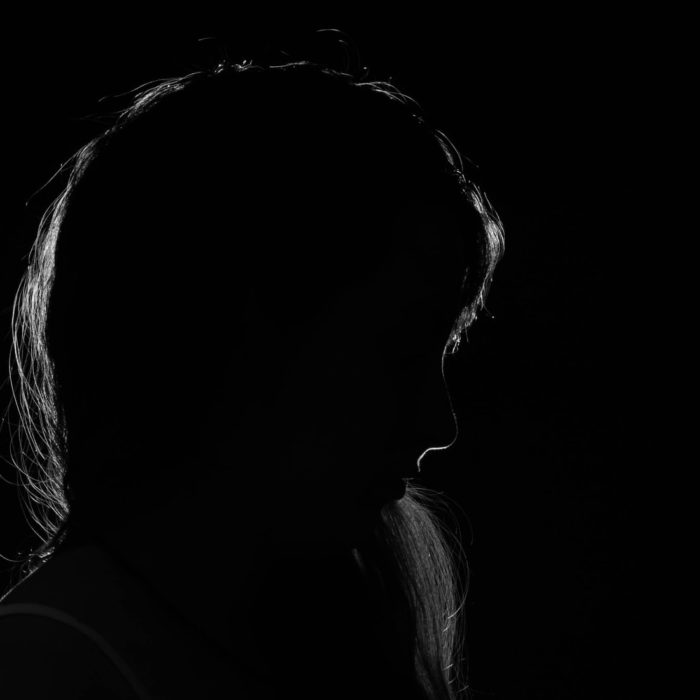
column 546, row 106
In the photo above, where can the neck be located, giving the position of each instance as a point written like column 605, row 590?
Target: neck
column 187, row 563
column 240, row 597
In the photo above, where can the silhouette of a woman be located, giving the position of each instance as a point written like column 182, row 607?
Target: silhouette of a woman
column 230, row 343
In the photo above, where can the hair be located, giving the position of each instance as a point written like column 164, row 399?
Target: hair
column 109, row 279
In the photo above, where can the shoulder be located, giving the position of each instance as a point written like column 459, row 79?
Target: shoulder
column 44, row 658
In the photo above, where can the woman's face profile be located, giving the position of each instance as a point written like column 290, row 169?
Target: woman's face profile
column 363, row 396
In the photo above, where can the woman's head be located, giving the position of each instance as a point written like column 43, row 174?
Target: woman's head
column 278, row 185
column 251, row 263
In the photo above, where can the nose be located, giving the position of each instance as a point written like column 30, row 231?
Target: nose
column 438, row 426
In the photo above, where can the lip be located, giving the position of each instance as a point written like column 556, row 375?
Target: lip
column 393, row 470
column 384, row 491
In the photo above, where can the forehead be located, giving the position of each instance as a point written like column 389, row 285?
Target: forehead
column 419, row 280
column 428, row 251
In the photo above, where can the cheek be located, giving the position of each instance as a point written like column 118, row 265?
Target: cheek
column 344, row 403
column 368, row 403
column 419, row 392
column 362, row 408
